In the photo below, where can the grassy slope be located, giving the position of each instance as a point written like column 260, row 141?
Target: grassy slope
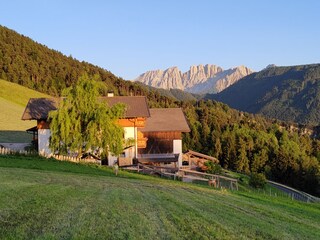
column 13, row 100
column 62, row 200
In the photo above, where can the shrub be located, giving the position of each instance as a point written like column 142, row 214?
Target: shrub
column 257, row 180
column 213, row 168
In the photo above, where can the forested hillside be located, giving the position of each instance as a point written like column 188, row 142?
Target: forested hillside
column 250, row 143
column 35, row 66
column 285, row 93
column 243, row 142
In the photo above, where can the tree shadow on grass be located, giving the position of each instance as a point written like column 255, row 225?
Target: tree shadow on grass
column 8, row 136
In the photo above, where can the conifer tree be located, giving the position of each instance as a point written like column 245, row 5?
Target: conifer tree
column 83, row 123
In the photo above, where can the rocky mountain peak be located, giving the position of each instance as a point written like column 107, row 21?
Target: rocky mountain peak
column 243, row 70
column 200, row 78
column 173, row 70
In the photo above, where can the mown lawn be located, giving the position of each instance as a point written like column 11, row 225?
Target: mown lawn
column 47, row 199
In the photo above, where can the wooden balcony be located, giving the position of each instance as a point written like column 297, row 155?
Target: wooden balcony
column 158, row 158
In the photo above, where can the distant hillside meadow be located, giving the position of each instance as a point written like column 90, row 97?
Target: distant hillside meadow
column 242, row 142
column 13, row 99
column 47, row 199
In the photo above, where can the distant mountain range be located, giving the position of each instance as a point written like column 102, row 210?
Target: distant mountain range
column 199, row 79
column 286, row 93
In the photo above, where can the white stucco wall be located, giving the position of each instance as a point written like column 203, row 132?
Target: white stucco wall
column 177, row 148
column 128, row 132
column 112, row 159
column 43, row 142
column 129, row 152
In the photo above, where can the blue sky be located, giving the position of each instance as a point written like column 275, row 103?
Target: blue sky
column 131, row 37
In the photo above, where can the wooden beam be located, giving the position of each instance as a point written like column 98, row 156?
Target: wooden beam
column 190, row 152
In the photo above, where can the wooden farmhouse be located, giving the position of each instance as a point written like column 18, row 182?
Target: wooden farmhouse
column 157, row 132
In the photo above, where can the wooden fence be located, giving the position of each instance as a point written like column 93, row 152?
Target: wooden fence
column 7, row 151
column 168, row 172
column 75, row 159
column 214, row 180
column 294, row 193
column 66, row 158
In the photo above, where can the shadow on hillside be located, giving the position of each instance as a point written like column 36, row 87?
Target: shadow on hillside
column 7, row 136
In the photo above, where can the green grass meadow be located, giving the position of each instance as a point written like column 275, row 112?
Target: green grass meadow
column 18, row 94
column 47, row 199
column 13, row 100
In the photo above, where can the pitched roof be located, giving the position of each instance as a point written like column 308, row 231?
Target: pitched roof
column 39, row 108
column 166, row 120
column 137, row 106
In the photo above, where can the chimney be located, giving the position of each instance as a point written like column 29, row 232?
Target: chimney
column 110, row 94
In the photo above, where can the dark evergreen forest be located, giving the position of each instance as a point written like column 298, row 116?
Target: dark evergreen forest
column 285, row 93
column 242, row 142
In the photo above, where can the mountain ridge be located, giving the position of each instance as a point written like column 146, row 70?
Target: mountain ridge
column 288, row 93
column 199, row 79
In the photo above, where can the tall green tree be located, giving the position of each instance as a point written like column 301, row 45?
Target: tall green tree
column 83, row 123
